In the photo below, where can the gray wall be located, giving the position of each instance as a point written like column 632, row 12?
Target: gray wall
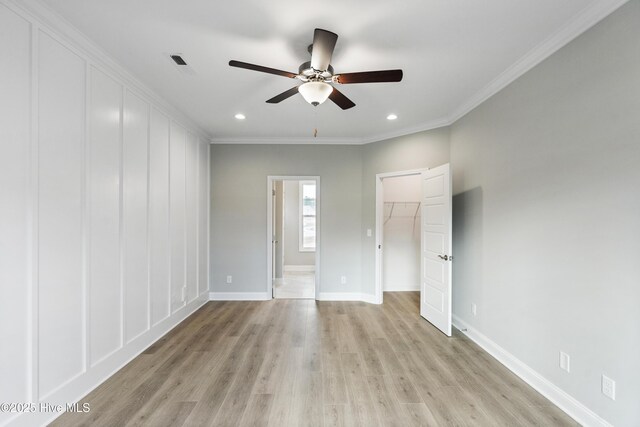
column 292, row 254
column 547, row 216
column 347, row 192
column 420, row 150
column 239, row 218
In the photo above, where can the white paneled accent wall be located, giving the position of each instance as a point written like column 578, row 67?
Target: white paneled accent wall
column 191, row 203
column 159, row 238
column 177, row 214
column 103, row 185
column 103, row 215
column 60, row 223
column 16, row 224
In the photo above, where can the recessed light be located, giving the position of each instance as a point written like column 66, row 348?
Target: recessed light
column 240, row 116
column 392, row 117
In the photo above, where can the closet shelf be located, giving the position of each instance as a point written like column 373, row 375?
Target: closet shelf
column 407, row 207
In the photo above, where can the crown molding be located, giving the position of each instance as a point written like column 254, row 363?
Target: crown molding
column 51, row 22
column 586, row 19
column 288, row 141
column 434, row 124
column 334, row 141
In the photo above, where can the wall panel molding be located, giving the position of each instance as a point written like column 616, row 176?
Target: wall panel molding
column 85, row 139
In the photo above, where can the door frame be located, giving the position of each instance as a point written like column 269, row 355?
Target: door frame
column 270, row 181
column 380, row 224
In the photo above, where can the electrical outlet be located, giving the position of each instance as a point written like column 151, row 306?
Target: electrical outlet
column 229, row 279
column 608, row 387
column 343, row 280
column 565, row 361
column 474, row 308
column 369, row 233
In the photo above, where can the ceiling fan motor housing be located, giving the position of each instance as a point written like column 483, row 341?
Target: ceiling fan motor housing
column 305, row 70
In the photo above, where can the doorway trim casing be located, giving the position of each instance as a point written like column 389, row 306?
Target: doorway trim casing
column 270, row 180
column 380, row 224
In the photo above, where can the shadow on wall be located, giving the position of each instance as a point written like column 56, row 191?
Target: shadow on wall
column 468, row 245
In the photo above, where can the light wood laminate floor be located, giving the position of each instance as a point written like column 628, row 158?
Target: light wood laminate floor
column 302, row 362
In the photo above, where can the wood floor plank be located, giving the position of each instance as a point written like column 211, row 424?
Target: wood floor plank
column 419, row 415
column 257, row 412
column 387, row 356
column 359, row 394
column 284, row 389
column 334, row 388
column 307, row 363
column 306, row 402
column 385, row 401
column 405, row 390
column 339, row 416
column 210, row 402
column 173, row 414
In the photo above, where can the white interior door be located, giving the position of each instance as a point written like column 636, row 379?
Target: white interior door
column 435, row 286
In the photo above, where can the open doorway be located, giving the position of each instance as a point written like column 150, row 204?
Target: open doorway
column 401, row 233
column 398, row 232
column 294, row 225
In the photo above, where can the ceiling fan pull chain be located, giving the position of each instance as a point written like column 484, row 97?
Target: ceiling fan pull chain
column 315, row 122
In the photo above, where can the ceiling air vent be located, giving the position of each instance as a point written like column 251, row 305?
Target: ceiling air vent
column 178, row 59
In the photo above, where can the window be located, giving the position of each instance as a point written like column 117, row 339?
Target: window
column 307, row 231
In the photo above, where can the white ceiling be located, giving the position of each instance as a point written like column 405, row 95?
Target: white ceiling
column 454, row 53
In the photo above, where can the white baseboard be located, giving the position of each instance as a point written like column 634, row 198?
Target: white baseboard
column 402, row 288
column 299, row 268
column 264, row 296
column 560, row 398
column 347, row 296
column 239, row 296
column 83, row 384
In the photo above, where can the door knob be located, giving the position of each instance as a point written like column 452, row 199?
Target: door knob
column 445, row 257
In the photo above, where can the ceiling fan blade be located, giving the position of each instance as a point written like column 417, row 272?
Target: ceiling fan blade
column 340, row 100
column 370, row 77
column 284, row 95
column 262, row 69
column 323, row 44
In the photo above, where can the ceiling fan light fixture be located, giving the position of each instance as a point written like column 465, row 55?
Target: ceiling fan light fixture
column 315, row 93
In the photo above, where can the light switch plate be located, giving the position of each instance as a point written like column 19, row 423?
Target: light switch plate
column 565, row 361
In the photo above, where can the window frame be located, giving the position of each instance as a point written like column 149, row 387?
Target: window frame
column 301, row 217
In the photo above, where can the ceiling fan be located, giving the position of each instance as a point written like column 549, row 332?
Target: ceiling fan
column 317, row 74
